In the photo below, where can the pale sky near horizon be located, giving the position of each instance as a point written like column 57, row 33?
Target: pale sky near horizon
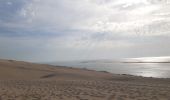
column 59, row 30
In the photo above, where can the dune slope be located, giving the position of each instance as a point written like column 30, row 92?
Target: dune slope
column 10, row 69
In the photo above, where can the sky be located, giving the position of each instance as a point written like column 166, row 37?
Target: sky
column 64, row 30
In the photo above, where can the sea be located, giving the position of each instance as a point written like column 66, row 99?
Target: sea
column 157, row 70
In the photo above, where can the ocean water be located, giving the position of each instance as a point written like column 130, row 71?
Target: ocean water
column 158, row 70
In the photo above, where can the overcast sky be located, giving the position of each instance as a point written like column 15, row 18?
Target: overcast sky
column 56, row 30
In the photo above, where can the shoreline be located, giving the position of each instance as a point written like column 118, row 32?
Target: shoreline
column 103, row 71
column 154, row 70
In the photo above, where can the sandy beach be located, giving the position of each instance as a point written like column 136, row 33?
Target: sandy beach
column 29, row 81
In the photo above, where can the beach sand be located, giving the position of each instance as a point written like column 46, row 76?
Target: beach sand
column 29, row 81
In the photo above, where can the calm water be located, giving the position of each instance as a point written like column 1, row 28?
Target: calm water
column 159, row 70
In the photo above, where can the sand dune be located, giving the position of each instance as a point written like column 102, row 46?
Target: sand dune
column 28, row 81
column 10, row 69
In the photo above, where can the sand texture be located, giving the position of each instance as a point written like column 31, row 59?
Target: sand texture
column 28, row 81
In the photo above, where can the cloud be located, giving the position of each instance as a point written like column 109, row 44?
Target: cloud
column 83, row 26
column 95, row 16
column 56, row 16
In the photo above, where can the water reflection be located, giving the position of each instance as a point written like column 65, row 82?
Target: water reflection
column 158, row 70
column 148, row 70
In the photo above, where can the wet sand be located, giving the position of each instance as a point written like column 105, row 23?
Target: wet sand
column 28, row 81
